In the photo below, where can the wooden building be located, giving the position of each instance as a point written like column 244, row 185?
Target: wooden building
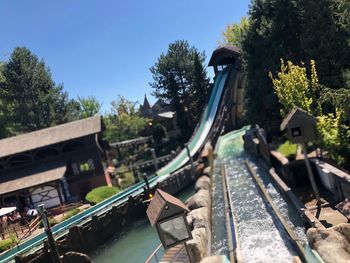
column 53, row 166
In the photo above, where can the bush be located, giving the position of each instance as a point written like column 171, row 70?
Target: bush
column 287, row 149
column 6, row 244
column 101, row 193
column 71, row 213
column 52, row 222
column 126, row 175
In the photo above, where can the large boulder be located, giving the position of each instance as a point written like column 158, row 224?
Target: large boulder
column 207, row 171
column 199, row 218
column 203, row 182
column 344, row 207
column 200, row 199
column 197, row 247
column 332, row 244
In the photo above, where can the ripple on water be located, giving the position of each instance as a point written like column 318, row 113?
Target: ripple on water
column 260, row 239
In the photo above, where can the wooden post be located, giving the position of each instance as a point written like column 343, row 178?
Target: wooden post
column 52, row 244
column 311, row 175
column 59, row 193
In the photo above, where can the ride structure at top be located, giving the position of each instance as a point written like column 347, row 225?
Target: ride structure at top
column 224, row 109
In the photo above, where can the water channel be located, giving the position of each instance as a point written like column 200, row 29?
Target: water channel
column 135, row 243
column 260, row 237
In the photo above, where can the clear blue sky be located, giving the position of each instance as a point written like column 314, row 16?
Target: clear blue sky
column 106, row 47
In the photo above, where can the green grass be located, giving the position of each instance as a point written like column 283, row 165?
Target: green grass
column 287, row 149
column 101, row 193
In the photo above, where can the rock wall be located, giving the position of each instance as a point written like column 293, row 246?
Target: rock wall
column 199, row 218
column 332, row 244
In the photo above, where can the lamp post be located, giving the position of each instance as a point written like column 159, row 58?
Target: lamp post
column 155, row 161
column 168, row 214
column 300, row 127
column 53, row 249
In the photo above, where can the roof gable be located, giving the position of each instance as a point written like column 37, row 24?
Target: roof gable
column 49, row 136
column 164, row 205
column 224, row 54
column 295, row 115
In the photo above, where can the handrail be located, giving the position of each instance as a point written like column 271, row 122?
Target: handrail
column 31, row 226
column 209, row 115
column 154, row 254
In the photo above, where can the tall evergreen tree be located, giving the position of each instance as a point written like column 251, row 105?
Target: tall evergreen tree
column 294, row 30
column 324, row 41
column 274, row 33
column 30, row 99
column 200, row 85
column 180, row 80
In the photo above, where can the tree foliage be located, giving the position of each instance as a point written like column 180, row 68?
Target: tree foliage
column 124, row 121
column 294, row 87
column 89, row 106
column 235, row 33
column 179, row 78
column 29, row 98
column 295, row 31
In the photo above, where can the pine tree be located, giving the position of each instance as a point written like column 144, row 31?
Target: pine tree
column 30, row 99
column 180, row 80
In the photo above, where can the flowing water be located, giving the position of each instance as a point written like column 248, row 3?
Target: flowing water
column 135, row 243
column 260, row 237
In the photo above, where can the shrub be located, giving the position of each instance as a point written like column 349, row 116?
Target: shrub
column 127, row 176
column 101, row 193
column 6, row 244
column 71, row 213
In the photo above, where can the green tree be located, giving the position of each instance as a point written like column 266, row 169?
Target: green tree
column 199, row 85
column 325, row 40
column 159, row 133
column 235, row 33
column 273, row 33
column 29, row 97
column 123, row 122
column 89, row 106
column 3, row 130
column 178, row 77
column 296, row 31
column 294, row 87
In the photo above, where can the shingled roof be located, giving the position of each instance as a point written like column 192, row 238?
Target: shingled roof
column 223, row 54
column 26, row 178
column 49, row 136
column 162, row 200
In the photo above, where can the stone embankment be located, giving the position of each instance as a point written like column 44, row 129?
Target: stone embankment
column 199, row 218
column 332, row 244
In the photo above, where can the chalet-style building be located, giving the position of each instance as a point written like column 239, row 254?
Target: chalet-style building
column 53, row 166
column 160, row 112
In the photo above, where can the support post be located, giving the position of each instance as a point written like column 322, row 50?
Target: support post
column 310, row 173
column 190, row 157
column 53, row 249
column 188, row 254
column 155, row 161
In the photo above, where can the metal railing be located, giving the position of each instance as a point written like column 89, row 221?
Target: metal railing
column 154, row 255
